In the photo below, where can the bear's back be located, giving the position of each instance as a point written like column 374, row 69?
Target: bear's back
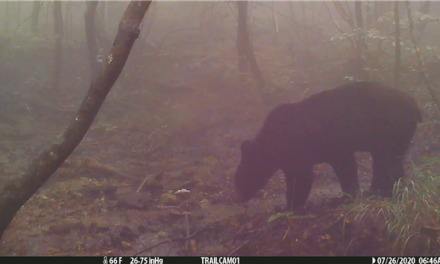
column 362, row 103
column 355, row 114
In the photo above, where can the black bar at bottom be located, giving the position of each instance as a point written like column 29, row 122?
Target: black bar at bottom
column 223, row 260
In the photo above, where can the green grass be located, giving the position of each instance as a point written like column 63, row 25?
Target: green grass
column 415, row 207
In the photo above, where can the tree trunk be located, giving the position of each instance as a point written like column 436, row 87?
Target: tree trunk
column 102, row 13
column 18, row 12
column 58, row 27
column 6, row 19
column 46, row 23
column 103, row 41
column 35, row 17
column 17, row 190
column 424, row 8
column 376, row 13
column 92, row 47
column 360, row 41
column 369, row 18
column 241, row 34
column 67, row 19
column 424, row 76
column 244, row 46
column 397, row 54
column 305, row 36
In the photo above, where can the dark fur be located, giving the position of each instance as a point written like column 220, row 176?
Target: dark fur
column 329, row 127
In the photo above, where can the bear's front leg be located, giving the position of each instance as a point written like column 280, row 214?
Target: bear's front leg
column 298, row 187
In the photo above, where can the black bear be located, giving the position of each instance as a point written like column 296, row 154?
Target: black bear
column 329, row 127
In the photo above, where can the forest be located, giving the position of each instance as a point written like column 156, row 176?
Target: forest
column 121, row 125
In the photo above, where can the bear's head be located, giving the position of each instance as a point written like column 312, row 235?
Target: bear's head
column 254, row 170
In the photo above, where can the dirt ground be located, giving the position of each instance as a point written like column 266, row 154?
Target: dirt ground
column 90, row 208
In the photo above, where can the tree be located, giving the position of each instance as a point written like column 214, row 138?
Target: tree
column 58, row 28
column 360, row 41
column 35, row 17
column 92, row 47
column 397, row 56
column 244, row 46
column 424, row 8
column 6, row 19
column 16, row 191
column 419, row 57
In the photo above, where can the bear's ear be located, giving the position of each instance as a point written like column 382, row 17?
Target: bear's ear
column 245, row 146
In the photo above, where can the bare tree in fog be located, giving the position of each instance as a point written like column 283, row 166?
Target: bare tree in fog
column 305, row 36
column 424, row 8
column 46, row 23
column 360, row 44
column 244, row 46
column 18, row 12
column 92, row 47
column 352, row 44
column 68, row 21
column 102, row 38
column 4, row 44
column 419, row 58
column 35, row 17
column 101, row 12
column 58, row 27
column 15, row 191
column 369, row 17
column 274, row 20
column 357, row 62
column 397, row 51
column 6, row 19
column 241, row 33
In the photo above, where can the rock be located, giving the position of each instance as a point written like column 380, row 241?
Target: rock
column 204, row 203
column 126, row 245
column 65, row 226
column 162, row 234
column 169, row 199
column 183, row 193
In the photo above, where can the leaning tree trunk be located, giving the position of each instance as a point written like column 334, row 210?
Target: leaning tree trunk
column 35, row 15
column 17, row 190
column 58, row 24
column 89, row 18
column 244, row 46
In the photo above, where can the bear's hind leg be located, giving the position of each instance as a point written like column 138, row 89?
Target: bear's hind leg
column 345, row 167
column 387, row 170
